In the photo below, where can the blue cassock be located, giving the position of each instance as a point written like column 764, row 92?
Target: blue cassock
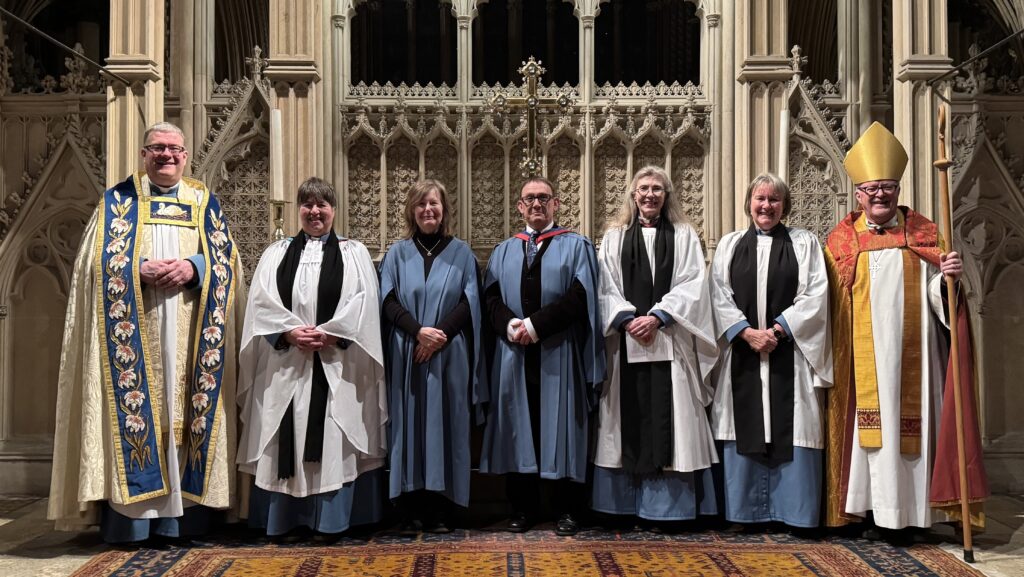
column 572, row 366
column 429, row 427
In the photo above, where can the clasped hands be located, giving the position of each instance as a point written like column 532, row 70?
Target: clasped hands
column 428, row 341
column 309, row 339
column 643, row 329
column 518, row 333
column 761, row 340
column 166, row 272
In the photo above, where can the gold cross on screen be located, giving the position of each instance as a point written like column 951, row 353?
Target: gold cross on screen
column 531, row 71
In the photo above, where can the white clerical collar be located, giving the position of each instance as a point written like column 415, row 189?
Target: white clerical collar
column 879, row 228
column 550, row 226
column 322, row 238
column 158, row 190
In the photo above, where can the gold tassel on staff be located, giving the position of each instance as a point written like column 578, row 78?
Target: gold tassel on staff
column 943, row 165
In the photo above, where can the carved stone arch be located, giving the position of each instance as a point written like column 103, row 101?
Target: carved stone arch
column 235, row 165
column 36, row 261
column 987, row 220
column 820, row 189
column 649, row 149
column 988, row 231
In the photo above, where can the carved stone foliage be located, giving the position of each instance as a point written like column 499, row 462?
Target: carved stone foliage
column 423, row 136
column 25, row 77
column 610, row 182
column 31, row 141
column 647, row 90
column 243, row 196
column 441, row 163
column 688, row 178
column 403, row 171
column 487, row 193
column 814, row 188
column 564, row 171
column 364, row 192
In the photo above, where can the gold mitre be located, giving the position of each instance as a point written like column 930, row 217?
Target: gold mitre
column 877, row 155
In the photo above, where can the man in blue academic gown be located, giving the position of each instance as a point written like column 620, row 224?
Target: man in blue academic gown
column 540, row 291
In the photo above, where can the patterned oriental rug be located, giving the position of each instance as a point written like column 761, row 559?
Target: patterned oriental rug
column 539, row 552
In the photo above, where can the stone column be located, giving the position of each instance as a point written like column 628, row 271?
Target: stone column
column 465, row 12
column 137, row 55
column 919, row 53
column 725, row 115
column 586, row 12
column 710, row 66
column 764, row 69
column 293, row 70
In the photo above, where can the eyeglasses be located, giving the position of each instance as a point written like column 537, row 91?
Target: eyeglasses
column 543, row 199
column 160, row 148
column 886, row 188
column 655, row 190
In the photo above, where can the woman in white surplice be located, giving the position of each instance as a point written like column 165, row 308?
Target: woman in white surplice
column 770, row 291
column 311, row 388
column 654, row 447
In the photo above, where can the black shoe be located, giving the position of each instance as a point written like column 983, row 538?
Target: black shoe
column 518, row 523
column 410, row 528
column 437, row 527
column 566, row 526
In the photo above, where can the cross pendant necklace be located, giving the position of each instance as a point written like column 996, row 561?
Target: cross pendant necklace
column 874, row 266
column 430, row 251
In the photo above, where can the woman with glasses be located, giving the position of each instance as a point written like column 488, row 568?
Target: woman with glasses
column 431, row 314
column 311, row 379
column 654, row 444
column 770, row 291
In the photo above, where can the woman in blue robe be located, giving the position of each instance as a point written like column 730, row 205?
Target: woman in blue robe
column 431, row 323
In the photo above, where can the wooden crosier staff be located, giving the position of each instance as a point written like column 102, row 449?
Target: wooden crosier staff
column 943, row 165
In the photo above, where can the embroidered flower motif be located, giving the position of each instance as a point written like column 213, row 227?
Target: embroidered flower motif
column 221, row 271
column 200, row 401
column 115, row 245
column 220, row 292
column 124, row 330
column 211, row 357
column 134, row 399
column 118, row 262
column 116, row 285
column 135, row 423
column 126, row 379
column 198, row 425
column 218, row 315
column 125, row 354
column 117, row 310
column 207, row 382
column 218, row 238
column 119, row 226
column 212, row 334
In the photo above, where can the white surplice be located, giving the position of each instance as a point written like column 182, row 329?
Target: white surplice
column 694, row 351
column 892, row 485
column 355, row 440
column 808, row 320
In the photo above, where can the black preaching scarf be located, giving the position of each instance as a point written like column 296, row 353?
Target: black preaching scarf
column 748, row 410
column 332, row 272
column 645, row 405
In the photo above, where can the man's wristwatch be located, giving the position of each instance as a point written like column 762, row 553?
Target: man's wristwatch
column 779, row 335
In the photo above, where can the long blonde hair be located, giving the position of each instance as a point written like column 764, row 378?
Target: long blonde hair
column 670, row 210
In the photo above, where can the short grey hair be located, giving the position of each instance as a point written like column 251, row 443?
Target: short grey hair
column 165, row 127
column 774, row 182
